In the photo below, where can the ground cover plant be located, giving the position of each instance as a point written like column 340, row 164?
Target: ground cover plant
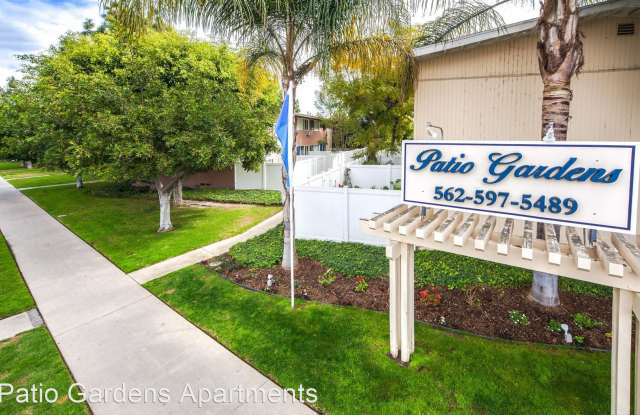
column 503, row 312
column 33, row 359
column 342, row 352
column 253, row 197
column 122, row 226
column 14, row 295
column 431, row 267
column 451, row 290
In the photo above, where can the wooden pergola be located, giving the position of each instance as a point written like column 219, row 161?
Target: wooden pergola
column 613, row 261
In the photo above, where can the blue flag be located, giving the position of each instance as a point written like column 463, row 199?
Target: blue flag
column 282, row 132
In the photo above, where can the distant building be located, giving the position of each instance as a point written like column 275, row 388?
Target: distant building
column 488, row 86
column 311, row 134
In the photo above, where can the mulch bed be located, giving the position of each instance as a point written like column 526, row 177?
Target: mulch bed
column 480, row 310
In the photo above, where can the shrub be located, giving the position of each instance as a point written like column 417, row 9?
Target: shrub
column 254, row 197
column 430, row 297
column 328, row 278
column 361, row 285
column 585, row 322
column 518, row 318
column 554, row 326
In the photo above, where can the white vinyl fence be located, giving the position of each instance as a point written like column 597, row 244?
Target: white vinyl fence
column 324, row 209
column 368, row 176
column 333, row 214
column 269, row 176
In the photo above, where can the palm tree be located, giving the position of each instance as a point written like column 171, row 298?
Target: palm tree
column 295, row 37
column 560, row 57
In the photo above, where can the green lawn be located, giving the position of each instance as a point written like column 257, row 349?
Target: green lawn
column 123, row 228
column 33, row 359
column 256, row 197
column 431, row 267
column 21, row 177
column 14, row 296
column 341, row 352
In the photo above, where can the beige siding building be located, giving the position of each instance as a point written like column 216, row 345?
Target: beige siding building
column 487, row 86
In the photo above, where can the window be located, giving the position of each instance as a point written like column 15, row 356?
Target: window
column 302, row 150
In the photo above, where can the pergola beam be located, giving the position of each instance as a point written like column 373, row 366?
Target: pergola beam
column 615, row 263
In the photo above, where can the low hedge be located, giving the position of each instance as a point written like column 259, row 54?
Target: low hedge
column 253, row 197
column 431, row 267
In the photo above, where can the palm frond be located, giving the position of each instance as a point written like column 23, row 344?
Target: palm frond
column 433, row 6
column 381, row 54
column 468, row 16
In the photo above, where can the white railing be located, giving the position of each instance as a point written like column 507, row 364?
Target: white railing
column 326, row 170
column 269, row 176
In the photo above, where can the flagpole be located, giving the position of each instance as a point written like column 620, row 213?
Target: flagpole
column 292, row 237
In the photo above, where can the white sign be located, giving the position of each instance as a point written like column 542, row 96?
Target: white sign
column 586, row 184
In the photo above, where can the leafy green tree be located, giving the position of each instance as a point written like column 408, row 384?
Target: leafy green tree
column 19, row 115
column 293, row 37
column 371, row 109
column 153, row 108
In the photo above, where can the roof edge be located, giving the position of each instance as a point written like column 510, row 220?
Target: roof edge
column 515, row 28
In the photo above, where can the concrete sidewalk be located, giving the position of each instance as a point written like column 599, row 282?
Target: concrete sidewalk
column 19, row 323
column 112, row 332
column 197, row 255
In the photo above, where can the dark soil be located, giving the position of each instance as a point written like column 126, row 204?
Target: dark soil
column 481, row 310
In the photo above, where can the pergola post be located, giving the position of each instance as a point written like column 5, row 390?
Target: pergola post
column 636, row 312
column 621, row 352
column 393, row 253
column 407, row 314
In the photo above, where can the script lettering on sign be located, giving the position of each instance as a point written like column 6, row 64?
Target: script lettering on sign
column 585, row 184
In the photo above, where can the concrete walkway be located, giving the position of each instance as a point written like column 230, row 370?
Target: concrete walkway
column 14, row 325
column 46, row 186
column 114, row 333
column 193, row 257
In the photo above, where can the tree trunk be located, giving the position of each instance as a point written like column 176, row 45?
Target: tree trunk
column 177, row 193
column 372, row 153
column 79, row 182
column 28, row 164
column 164, row 195
column 559, row 58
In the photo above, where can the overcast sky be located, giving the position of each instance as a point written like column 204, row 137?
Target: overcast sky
column 30, row 26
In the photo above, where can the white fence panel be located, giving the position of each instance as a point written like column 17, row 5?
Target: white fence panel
column 333, row 214
column 268, row 177
column 368, row 176
column 274, row 176
column 247, row 179
column 385, row 157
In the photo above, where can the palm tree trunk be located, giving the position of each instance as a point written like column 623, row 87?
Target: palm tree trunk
column 560, row 57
